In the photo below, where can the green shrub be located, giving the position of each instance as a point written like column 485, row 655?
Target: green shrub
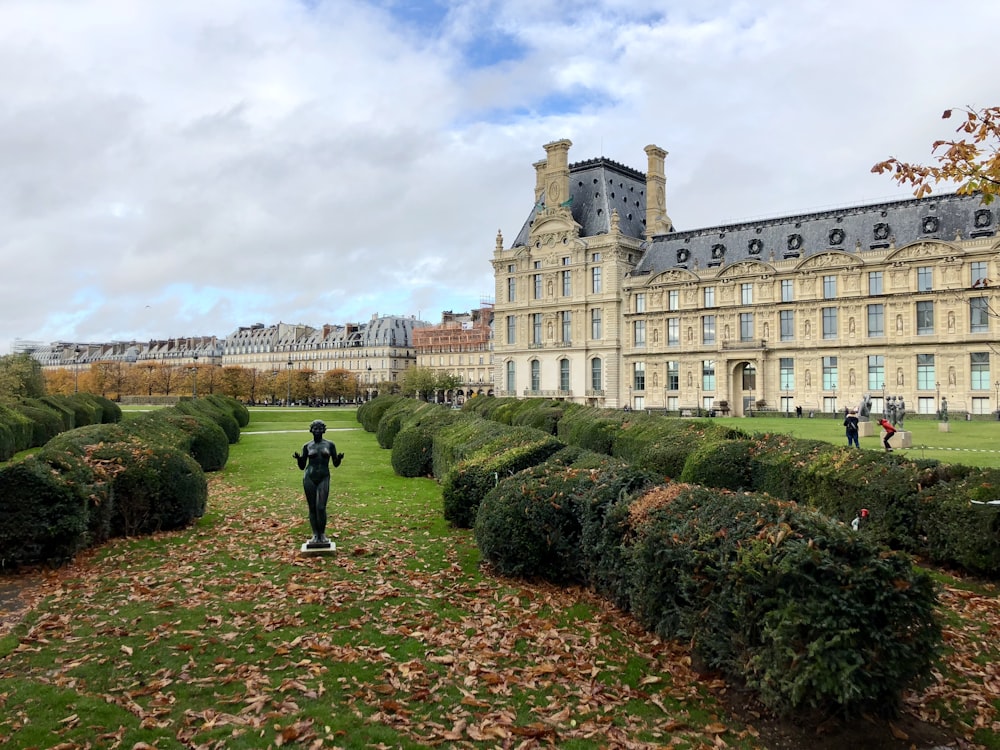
column 465, row 437
column 411, row 451
column 221, row 416
column 7, row 445
column 196, row 434
column 807, row 612
column 370, row 413
column 545, row 522
column 158, row 487
column 464, row 487
column 45, row 423
column 231, row 405
column 42, row 517
column 58, row 405
column 724, row 464
column 779, row 463
column 958, row 526
column 21, row 427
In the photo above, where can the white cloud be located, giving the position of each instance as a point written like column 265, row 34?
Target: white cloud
column 185, row 168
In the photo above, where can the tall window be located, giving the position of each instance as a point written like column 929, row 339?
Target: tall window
column 595, row 279
column 979, row 318
column 708, row 374
column 876, row 320
column 977, row 272
column 639, row 328
column 746, row 326
column 640, row 302
column 787, row 322
column 709, row 296
column 925, row 372
column 875, row 282
column 536, row 375
column 639, row 376
column 674, row 299
column 567, row 328
column 596, row 374
column 829, row 322
column 567, row 279
column 536, row 328
column 829, row 373
column 511, row 289
column 673, row 331
column 749, row 378
column 595, row 323
column 511, row 382
column 925, row 279
column 537, row 279
column 564, row 375
column 511, row 329
column 746, row 294
column 708, row 329
column 673, row 375
column 925, row 317
column 787, row 290
column 830, row 287
column 979, row 366
column 786, row 374
column 876, row 372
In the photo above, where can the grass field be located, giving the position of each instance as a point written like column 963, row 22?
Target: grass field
column 223, row 636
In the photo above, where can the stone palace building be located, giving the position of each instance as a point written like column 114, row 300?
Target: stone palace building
column 601, row 300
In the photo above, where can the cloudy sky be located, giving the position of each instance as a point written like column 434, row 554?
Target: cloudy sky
column 188, row 167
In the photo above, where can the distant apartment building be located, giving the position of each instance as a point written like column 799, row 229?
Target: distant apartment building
column 461, row 346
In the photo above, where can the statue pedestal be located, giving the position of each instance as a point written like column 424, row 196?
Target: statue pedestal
column 944, row 426
column 317, row 550
column 902, row 439
column 866, row 429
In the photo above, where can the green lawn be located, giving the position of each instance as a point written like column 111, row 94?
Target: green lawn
column 223, row 636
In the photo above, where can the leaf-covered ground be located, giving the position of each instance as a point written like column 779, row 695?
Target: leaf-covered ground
column 222, row 636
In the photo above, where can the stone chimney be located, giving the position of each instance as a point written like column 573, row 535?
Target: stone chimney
column 657, row 220
column 557, row 172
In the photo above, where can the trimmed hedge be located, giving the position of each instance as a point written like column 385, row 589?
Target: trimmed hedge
column 42, row 517
column 809, row 613
column 959, row 524
column 464, row 487
column 136, row 477
column 724, row 464
column 370, row 413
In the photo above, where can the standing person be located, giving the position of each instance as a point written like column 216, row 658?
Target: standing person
column 887, row 435
column 851, row 426
column 798, row 412
column 315, row 459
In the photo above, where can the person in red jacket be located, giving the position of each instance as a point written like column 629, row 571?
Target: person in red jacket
column 887, row 435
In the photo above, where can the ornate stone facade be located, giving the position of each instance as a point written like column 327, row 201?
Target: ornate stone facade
column 813, row 311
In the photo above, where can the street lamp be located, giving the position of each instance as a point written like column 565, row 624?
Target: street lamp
column 76, row 369
column 937, row 387
column 288, row 401
column 883, row 401
column 834, row 389
column 997, row 402
column 194, row 376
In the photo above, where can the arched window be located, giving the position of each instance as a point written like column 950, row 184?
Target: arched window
column 511, row 382
column 536, row 375
column 596, row 374
column 563, row 374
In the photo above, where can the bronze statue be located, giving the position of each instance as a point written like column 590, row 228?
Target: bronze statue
column 315, row 459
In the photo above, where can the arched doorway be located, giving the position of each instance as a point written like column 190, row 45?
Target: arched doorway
column 744, row 388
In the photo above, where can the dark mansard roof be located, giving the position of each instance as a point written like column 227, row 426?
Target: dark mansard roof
column 597, row 187
column 853, row 229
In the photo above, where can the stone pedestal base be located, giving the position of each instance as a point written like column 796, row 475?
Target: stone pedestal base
column 944, row 426
column 317, row 550
column 902, row 439
column 866, row 429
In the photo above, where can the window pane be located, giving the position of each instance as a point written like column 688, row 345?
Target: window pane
column 925, row 317
column 876, row 320
column 708, row 329
column 787, row 318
